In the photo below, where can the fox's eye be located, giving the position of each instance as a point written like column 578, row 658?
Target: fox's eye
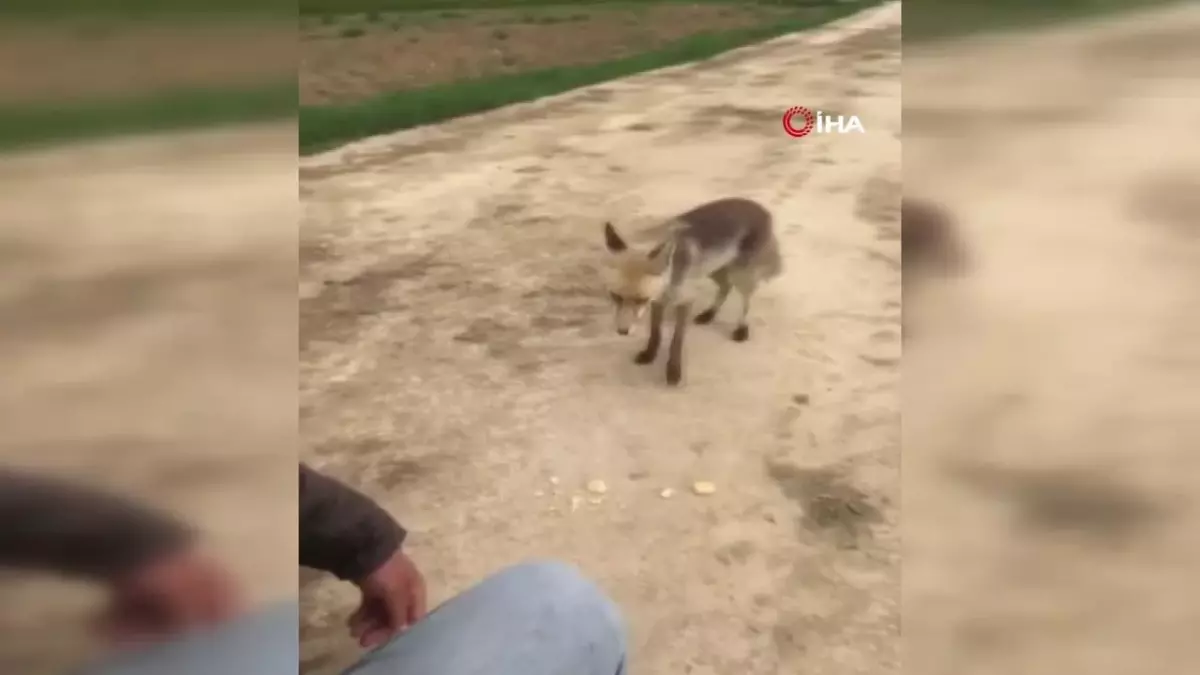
column 615, row 298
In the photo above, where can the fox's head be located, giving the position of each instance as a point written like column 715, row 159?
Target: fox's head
column 636, row 278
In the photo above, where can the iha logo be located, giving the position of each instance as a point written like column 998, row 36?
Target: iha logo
column 800, row 121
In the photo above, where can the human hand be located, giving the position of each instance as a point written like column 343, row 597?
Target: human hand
column 167, row 596
column 393, row 598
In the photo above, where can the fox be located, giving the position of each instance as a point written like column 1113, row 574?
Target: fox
column 730, row 241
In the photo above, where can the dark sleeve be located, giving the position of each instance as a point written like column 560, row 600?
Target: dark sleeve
column 342, row 531
column 62, row 527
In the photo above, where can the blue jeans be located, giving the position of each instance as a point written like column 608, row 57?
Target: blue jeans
column 539, row 618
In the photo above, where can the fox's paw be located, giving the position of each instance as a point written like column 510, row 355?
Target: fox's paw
column 645, row 356
column 706, row 316
column 741, row 333
column 674, row 374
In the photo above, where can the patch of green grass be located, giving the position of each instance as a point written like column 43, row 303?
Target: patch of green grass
column 352, row 32
column 500, row 34
column 127, row 9
column 31, row 125
column 553, row 19
column 326, row 126
column 359, row 6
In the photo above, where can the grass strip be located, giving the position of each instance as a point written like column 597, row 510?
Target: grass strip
column 325, row 126
column 334, row 7
column 26, row 125
column 129, row 9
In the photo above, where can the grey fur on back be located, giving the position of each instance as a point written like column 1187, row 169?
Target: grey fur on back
column 733, row 231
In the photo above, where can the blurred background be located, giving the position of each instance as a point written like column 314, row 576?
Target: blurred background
column 1051, row 386
column 147, row 280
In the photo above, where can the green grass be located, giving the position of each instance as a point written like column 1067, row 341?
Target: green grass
column 360, row 6
column 544, row 19
column 144, row 8
column 926, row 20
column 325, row 126
column 24, row 126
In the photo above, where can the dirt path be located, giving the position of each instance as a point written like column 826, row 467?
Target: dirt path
column 457, row 354
column 1050, row 431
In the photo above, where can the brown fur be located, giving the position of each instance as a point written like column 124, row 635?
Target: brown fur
column 930, row 240
column 723, row 222
column 931, row 247
column 730, row 241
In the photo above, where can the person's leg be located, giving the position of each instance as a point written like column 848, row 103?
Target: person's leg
column 265, row 642
column 540, row 618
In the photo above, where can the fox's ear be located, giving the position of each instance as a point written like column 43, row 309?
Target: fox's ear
column 612, row 240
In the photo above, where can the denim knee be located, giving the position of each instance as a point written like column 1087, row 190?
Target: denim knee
column 562, row 588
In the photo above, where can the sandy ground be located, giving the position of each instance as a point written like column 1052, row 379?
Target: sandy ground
column 457, row 353
column 1050, row 434
column 147, row 305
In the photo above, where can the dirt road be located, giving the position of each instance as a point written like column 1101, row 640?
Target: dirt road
column 458, row 357
column 1050, row 434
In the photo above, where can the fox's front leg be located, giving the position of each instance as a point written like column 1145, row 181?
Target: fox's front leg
column 683, row 316
column 648, row 354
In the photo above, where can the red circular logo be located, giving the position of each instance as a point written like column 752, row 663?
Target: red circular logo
column 810, row 120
